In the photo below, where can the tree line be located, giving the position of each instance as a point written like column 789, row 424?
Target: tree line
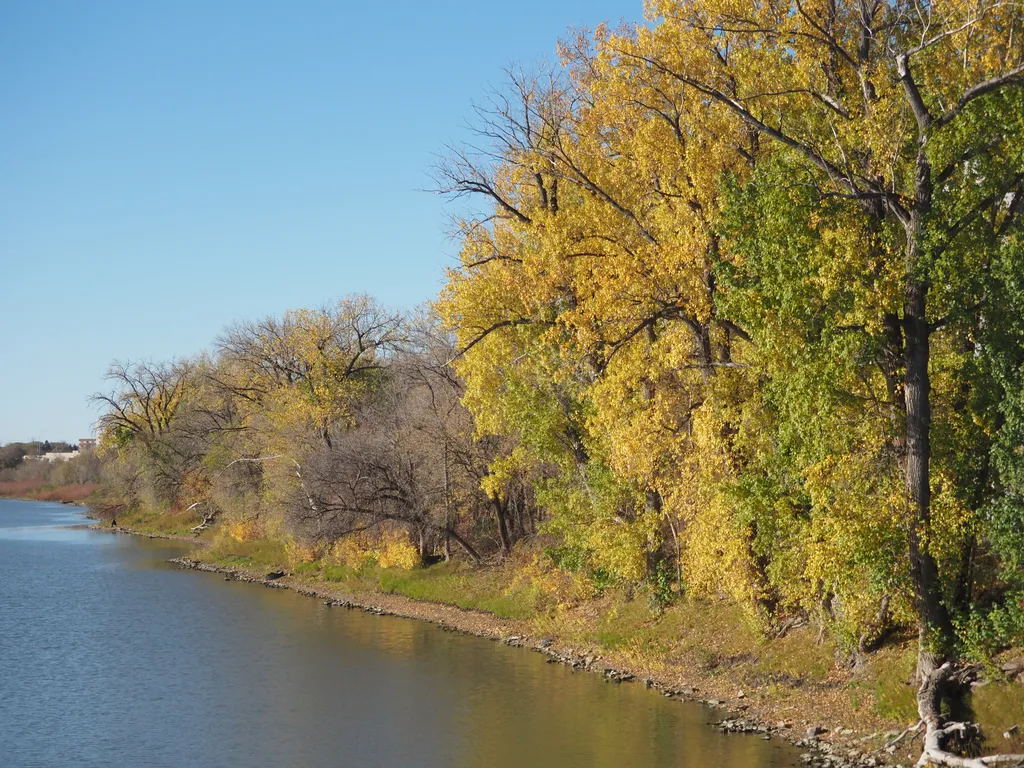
column 329, row 422
column 739, row 308
column 19, row 469
column 13, row 454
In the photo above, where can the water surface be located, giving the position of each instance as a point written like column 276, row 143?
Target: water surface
column 111, row 657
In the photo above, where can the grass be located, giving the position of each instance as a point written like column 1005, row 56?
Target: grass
column 260, row 553
column 485, row 590
column 451, row 583
column 627, row 623
column 337, row 572
column 891, row 681
column 710, row 635
column 166, row 523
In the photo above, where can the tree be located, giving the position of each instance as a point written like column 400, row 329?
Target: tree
column 11, row 455
column 411, row 458
column 910, row 112
column 585, row 303
column 139, row 419
column 304, row 370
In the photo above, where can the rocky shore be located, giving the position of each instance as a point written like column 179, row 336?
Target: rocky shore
column 821, row 747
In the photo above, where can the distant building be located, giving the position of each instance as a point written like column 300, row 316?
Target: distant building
column 53, row 456
column 86, row 443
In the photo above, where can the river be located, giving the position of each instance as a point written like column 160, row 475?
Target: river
column 109, row 656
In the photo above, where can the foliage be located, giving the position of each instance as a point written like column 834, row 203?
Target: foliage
column 388, row 550
column 992, row 628
column 752, row 344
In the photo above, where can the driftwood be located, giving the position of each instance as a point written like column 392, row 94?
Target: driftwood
column 207, row 519
column 938, row 731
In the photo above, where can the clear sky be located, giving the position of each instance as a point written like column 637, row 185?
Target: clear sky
column 169, row 168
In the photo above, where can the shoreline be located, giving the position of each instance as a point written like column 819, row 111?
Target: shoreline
column 826, row 735
column 819, row 746
column 104, row 528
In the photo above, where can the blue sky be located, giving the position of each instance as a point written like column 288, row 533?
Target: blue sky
column 169, row 168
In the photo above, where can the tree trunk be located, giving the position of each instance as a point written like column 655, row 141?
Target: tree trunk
column 503, row 535
column 934, row 627
column 422, row 532
column 939, row 730
column 466, row 546
column 705, row 353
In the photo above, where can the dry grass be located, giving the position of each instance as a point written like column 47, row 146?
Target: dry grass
column 166, row 523
column 39, row 490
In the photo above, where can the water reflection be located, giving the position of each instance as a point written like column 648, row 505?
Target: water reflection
column 111, row 657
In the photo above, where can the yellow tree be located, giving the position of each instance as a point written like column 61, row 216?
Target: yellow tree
column 301, row 373
column 293, row 382
column 910, row 111
column 595, row 269
column 141, row 423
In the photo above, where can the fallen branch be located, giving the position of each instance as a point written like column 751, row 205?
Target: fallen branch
column 787, row 626
column 912, row 729
column 206, row 520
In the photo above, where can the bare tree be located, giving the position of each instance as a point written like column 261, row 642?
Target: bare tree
column 140, row 414
column 412, row 459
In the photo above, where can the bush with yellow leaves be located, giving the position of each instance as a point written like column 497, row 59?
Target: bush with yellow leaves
column 245, row 529
column 389, row 549
column 300, row 552
column 394, row 550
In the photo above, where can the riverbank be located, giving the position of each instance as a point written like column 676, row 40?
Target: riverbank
column 228, row 675
column 793, row 686
column 824, row 747
column 31, row 490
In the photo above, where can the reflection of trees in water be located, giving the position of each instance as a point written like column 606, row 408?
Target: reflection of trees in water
column 486, row 704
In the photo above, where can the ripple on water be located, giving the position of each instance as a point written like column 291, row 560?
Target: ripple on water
column 110, row 657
